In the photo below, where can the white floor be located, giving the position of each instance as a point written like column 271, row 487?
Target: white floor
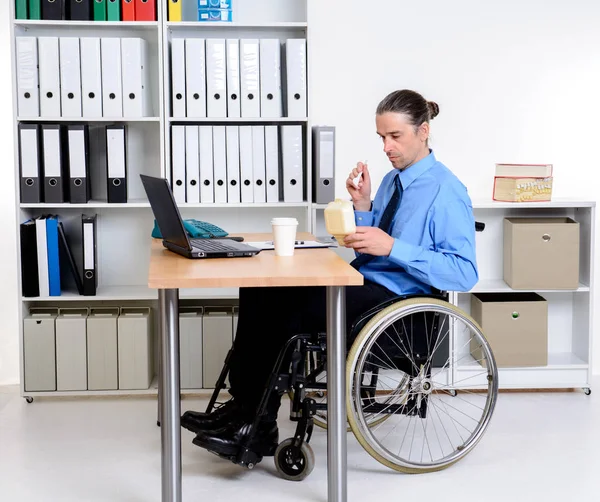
column 540, row 446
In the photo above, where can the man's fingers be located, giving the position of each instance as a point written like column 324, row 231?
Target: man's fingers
column 350, row 239
column 351, row 187
column 366, row 175
column 357, row 246
column 354, row 240
column 360, row 236
column 360, row 167
column 353, row 175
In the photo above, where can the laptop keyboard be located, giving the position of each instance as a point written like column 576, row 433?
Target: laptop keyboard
column 210, row 245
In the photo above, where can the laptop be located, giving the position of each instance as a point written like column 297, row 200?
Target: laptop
column 174, row 235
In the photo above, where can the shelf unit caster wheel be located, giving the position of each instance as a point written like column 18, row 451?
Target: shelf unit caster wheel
column 453, row 392
column 158, row 423
column 587, row 391
column 294, row 464
column 29, row 399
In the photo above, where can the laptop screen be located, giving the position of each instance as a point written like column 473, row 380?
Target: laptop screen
column 165, row 210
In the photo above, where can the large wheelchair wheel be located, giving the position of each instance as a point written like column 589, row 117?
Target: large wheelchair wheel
column 427, row 427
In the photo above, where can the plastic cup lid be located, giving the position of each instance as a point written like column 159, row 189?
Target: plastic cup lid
column 284, row 221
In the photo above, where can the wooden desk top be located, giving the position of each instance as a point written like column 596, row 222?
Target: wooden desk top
column 308, row 267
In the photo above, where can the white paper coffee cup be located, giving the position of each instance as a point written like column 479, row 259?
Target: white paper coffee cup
column 284, row 235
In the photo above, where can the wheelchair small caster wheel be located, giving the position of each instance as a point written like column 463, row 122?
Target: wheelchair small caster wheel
column 587, row 391
column 29, row 400
column 294, row 464
column 158, row 423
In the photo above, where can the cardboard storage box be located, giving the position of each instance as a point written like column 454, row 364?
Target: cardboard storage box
column 541, row 253
column 515, row 325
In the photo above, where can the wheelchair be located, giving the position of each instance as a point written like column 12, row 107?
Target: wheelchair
column 421, row 389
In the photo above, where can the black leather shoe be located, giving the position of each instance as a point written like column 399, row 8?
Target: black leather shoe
column 227, row 440
column 196, row 421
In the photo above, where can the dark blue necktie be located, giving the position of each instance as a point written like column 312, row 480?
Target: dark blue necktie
column 385, row 223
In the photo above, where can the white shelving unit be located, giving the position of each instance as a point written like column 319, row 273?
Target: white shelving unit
column 570, row 312
column 89, row 120
column 120, row 226
column 124, row 229
column 130, row 25
column 261, row 19
column 235, row 25
column 90, row 204
column 233, row 120
column 119, row 293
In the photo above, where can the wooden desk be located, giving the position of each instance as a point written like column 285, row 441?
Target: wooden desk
column 308, row 267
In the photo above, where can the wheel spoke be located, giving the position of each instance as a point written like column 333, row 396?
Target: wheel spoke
column 462, row 390
column 454, row 421
column 461, row 412
column 426, row 332
column 443, row 427
column 410, row 345
column 437, row 344
column 403, row 349
column 436, row 432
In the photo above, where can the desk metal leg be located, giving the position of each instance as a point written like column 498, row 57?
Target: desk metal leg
column 159, row 393
column 336, row 394
column 168, row 301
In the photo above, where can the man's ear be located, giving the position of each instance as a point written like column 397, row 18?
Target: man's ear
column 424, row 131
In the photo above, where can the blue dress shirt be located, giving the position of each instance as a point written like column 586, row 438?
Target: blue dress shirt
column 433, row 230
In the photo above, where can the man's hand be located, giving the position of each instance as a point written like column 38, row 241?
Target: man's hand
column 361, row 195
column 370, row 240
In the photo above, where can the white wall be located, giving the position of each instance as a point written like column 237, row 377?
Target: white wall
column 516, row 82
column 9, row 327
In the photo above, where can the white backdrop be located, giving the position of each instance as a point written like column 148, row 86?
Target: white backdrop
column 516, row 81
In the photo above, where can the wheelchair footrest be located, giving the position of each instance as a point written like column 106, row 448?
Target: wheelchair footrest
column 246, row 457
column 249, row 458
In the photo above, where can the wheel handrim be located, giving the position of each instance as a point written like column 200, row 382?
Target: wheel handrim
column 426, row 384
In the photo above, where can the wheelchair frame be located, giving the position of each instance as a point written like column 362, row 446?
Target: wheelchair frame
column 303, row 408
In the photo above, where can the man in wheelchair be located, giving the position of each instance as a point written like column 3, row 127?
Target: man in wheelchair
column 416, row 236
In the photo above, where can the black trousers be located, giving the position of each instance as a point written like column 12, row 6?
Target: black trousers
column 269, row 317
